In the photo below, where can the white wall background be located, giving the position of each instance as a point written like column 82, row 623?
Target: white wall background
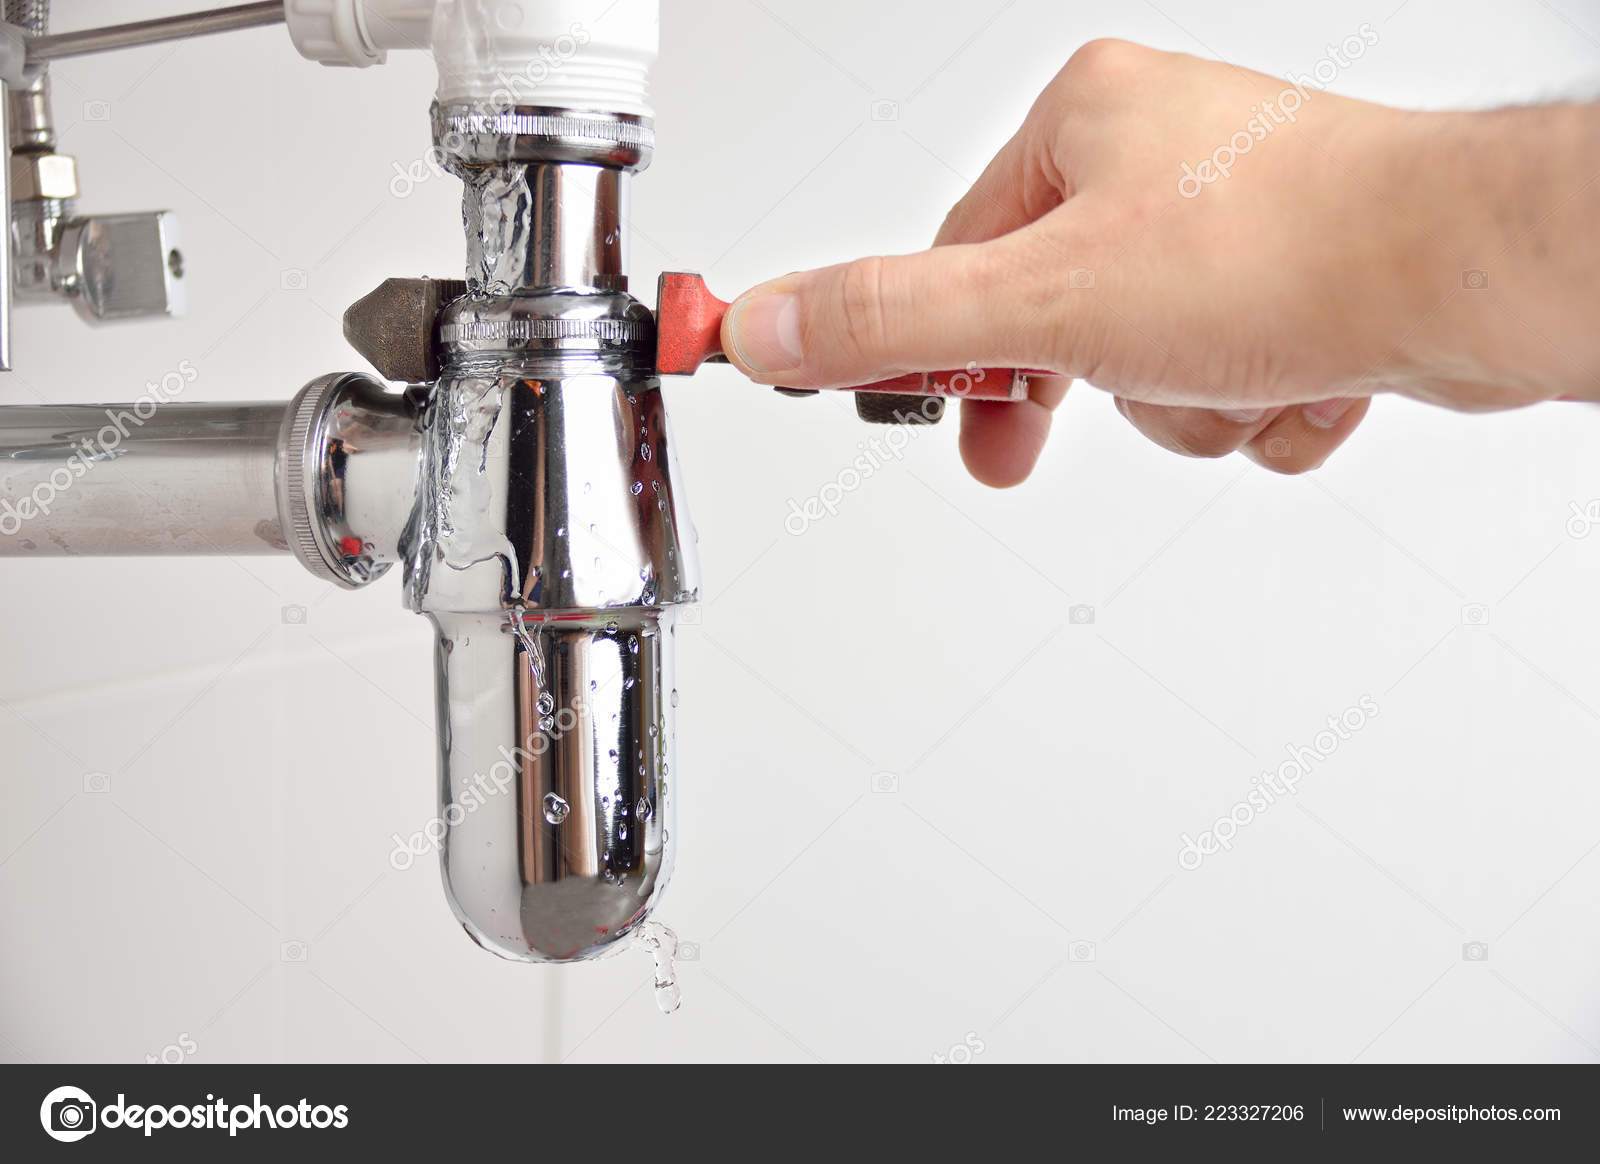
column 1045, row 770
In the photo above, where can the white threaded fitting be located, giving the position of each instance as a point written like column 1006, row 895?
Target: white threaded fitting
column 571, row 54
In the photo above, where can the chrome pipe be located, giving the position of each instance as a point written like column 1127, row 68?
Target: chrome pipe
column 551, row 550
column 81, row 42
column 331, row 477
column 547, row 225
column 139, row 479
column 5, row 243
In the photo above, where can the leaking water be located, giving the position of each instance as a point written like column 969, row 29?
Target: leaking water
column 663, row 946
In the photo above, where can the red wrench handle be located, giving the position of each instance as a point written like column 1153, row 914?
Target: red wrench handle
column 689, row 332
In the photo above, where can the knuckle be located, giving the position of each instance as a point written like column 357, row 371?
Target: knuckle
column 861, row 321
column 1187, row 435
column 1104, row 57
column 1205, row 439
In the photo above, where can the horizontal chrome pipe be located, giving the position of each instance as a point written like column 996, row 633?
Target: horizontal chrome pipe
column 330, row 476
column 105, row 480
column 120, row 36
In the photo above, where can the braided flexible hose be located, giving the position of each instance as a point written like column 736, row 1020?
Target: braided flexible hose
column 32, row 16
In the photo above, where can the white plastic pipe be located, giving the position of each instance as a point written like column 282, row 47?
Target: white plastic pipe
column 570, row 54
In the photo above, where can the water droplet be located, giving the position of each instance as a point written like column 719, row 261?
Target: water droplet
column 642, row 809
column 674, row 697
column 637, row 489
column 627, row 684
column 644, row 451
column 547, row 703
column 622, row 832
column 561, row 531
column 555, row 808
column 587, row 486
column 613, row 754
column 663, row 946
column 547, row 723
column 633, row 644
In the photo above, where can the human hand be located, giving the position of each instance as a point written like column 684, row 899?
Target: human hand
column 1231, row 298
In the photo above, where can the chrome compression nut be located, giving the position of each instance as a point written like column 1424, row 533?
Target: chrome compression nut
column 349, row 453
column 36, row 176
column 472, row 135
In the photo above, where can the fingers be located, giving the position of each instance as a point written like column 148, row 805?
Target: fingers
column 1009, row 194
column 881, row 317
column 1196, row 432
column 1285, row 440
column 1001, row 443
column 1302, row 438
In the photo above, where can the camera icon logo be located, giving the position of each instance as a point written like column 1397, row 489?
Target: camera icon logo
column 294, row 616
column 885, row 783
column 1279, row 447
column 1081, row 952
column 884, row 110
column 1475, row 614
column 1583, row 520
column 292, row 952
column 1474, row 280
column 1080, row 279
column 691, row 615
column 68, row 1114
column 97, row 111
column 293, row 279
column 688, row 951
column 97, row 782
column 1475, row 951
column 1080, row 615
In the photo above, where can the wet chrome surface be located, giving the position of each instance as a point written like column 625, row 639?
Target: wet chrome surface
column 551, row 549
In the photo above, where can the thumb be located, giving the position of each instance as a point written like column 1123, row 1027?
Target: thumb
column 882, row 317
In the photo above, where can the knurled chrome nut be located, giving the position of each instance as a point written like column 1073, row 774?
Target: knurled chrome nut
column 43, row 176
